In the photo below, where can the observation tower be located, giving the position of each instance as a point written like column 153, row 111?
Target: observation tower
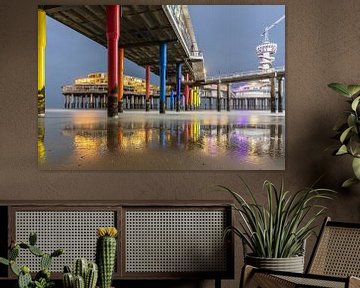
column 266, row 50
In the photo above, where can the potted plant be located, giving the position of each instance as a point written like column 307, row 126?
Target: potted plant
column 276, row 233
column 349, row 132
column 42, row 278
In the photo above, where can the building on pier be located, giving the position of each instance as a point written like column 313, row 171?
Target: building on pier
column 91, row 92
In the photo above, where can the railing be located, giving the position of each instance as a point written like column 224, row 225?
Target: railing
column 247, row 73
column 84, row 89
column 178, row 18
column 196, row 54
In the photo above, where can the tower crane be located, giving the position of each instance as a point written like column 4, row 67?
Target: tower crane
column 265, row 34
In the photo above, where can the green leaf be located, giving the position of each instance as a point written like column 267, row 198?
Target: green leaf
column 4, row 261
column 355, row 103
column 344, row 134
column 342, row 150
column 340, row 88
column 351, row 120
column 349, row 182
column 14, row 268
column 354, row 146
column 353, row 89
column 356, row 167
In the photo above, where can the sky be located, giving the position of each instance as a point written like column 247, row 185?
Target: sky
column 227, row 35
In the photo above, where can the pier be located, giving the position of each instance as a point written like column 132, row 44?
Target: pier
column 161, row 39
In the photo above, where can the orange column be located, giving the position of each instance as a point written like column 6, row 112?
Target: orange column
column 147, row 83
column 121, row 79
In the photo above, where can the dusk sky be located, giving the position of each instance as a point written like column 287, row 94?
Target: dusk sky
column 227, row 35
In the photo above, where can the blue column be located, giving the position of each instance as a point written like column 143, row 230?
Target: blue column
column 178, row 86
column 172, row 99
column 162, row 76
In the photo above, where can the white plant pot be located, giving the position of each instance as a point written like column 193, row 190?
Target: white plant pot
column 291, row 264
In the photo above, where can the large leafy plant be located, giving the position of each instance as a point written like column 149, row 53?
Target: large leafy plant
column 279, row 229
column 349, row 132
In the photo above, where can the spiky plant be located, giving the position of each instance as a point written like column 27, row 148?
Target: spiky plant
column 106, row 254
column 348, row 133
column 42, row 278
column 279, row 229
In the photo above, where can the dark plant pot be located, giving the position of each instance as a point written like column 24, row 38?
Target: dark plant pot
column 291, row 264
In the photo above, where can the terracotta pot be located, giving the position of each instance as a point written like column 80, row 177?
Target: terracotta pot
column 291, row 264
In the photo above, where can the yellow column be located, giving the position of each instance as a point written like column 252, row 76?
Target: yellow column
column 121, row 79
column 41, row 61
column 197, row 97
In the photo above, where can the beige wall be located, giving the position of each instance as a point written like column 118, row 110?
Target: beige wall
column 322, row 46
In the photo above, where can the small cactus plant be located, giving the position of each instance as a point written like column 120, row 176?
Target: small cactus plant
column 42, row 278
column 106, row 254
column 85, row 275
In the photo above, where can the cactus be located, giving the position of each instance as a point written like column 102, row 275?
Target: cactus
column 13, row 253
column 24, row 280
column 32, row 238
column 4, row 261
column 45, row 261
column 105, row 254
column 36, row 251
column 79, row 282
column 43, row 274
column 80, row 267
column 67, row 269
column 89, row 272
column 14, row 268
column 91, row 276
column 42, row 278
column 68, row 280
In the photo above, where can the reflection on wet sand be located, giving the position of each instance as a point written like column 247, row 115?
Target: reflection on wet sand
column 233, row 143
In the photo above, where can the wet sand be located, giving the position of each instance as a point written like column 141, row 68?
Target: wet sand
column 87, row 140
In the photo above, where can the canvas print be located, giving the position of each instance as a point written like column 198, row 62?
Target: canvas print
column 161, row 87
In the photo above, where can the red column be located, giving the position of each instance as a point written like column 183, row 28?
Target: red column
column 112, row 34
column 147, row 83
column 121, row 79
column 187, row 93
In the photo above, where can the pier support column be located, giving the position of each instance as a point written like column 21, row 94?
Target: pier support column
column 280, row 96
column 112, row 34
column 178, row 86
column 91, row 101
column 228, row 97
column 218, row 104
column 41, row 61
column 272, row 95
column 162, row 76
column 147, row 87
column 187, row 93
column 121, row 80
column 191, row 94
column 171, row 99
